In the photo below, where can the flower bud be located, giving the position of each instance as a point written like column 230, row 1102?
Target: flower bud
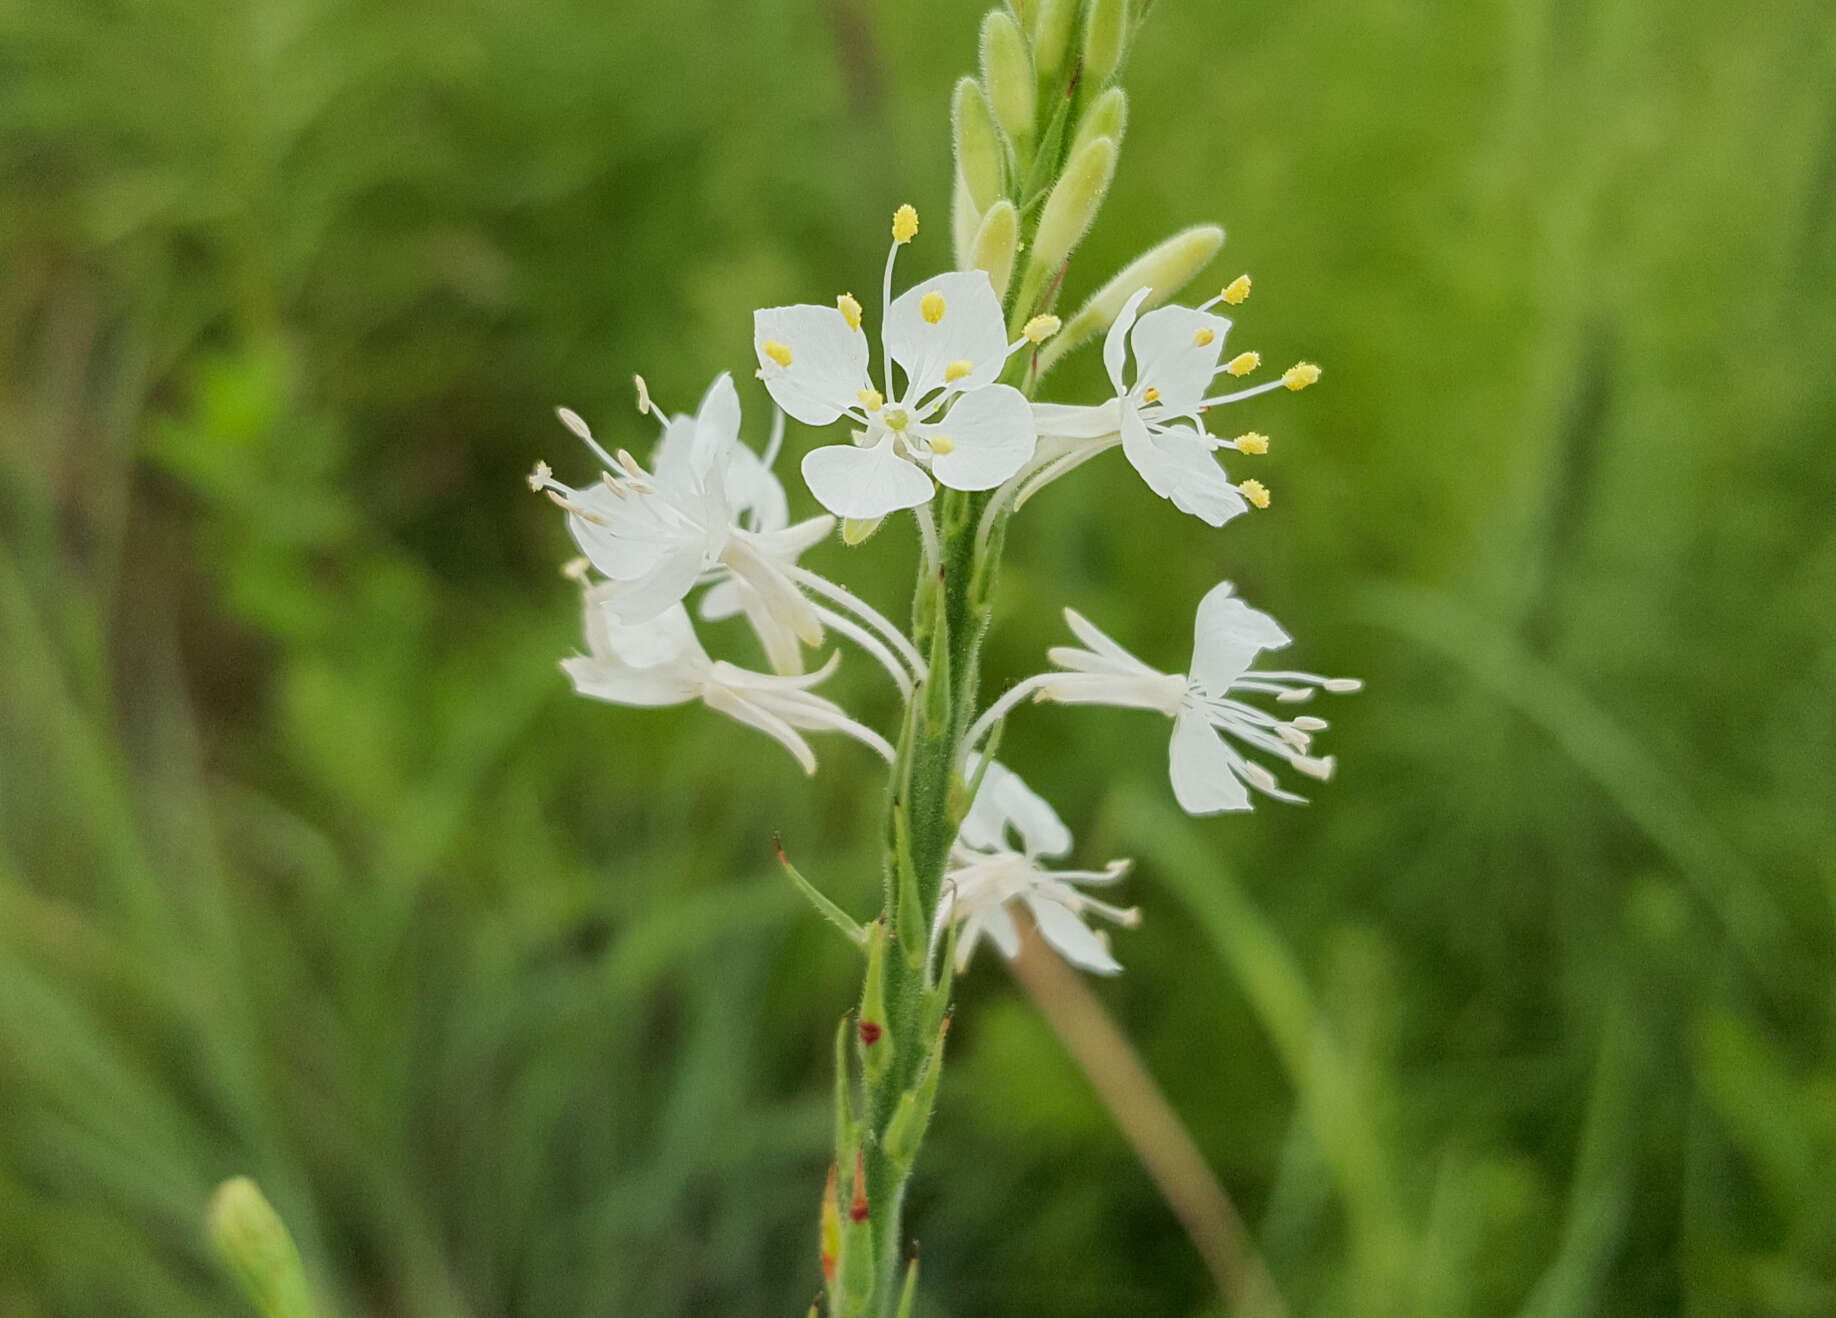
column 253, row 1243
column 1023, row 11
column 964, row 220
column 1052, row 36
column 1105, row 37
column 1166, row 269
column 876, row 1045
column 978, row 149
column 1008, row 72
column 1074, row 202
column 995, row 243
column 1106, row 117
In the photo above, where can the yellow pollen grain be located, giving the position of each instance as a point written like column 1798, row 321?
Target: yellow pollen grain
column 1256, row 492
column 870, row 399
column 931, row 307
column 1252, row 443
column 1237, row 291
column 1203, row 338
column 850, row 309
column 1300, row 375
column 1041, row 328
column 942, row 444
column 1244, row 362
column 1151, row 396
column 776, row 351
column 905, row 224
column 956, row 370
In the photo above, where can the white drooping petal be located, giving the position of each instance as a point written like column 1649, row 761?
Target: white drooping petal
column 752, row 488
column 1204, row 779
column 864, row 483
column 828, row 361
column 1074, row 941
column 723, row 600
column 671, row 579
column 1226, row 637
column 644, row 688
column 1000, row 927
column 1101, row 645
column 666, row 639
column 969, row 328
column 1004, row 801
column 1115, row 344
column 1177, row 350
column 736, row 706
column 991, row 437
column 1070, row 421
column 1178, row 465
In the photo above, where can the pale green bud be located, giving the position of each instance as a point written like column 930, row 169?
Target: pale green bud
column 1008, row 72
column 1105, row 37
column 1074, row 202
column 978, row 148
column 964, row 220
column 1165, row 269
column 1052, row 36
column 1023, row 12
column 253, row 1243
column 1106, row 117
column 996, row 240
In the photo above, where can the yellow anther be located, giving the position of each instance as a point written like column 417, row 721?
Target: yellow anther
column 850, row 309
column 931, row 307
column 1244, row 362
column 1041, row 328
column 776, row 351
column 576, row 569
column 1236, row 292
column 896, row 418
column 1203, row 338
column 1151, row 396
column 1252, row 443
column 942, row 444
column 1300, row 375
column 539, row 478
column 870, row 399
column 956, row 370
column 1256, row 492
column 905, row 224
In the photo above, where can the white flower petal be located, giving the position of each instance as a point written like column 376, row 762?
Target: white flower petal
column 1204, row 779
column 999, row 926
column 971, row 329
column 828, row 361
column 1005, row 801
column 864, row 483
column 667, row 583
column 1076, row 943
column 726, row 701
column 722, row 600
column 991, row 433
column 1066, row 421
column 644, row 688
column 1226, row 637
column 1115, row 345
column 1178, row 465
column 1168, row 356
column 717, row 424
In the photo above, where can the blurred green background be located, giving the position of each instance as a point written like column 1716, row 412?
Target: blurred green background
column 312, row 868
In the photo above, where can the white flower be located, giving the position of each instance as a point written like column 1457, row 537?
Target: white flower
column 1209, row 773
column 996, row 861
column 1155, row 417
column 660, row 662
column 949, row 340
column 710, row 512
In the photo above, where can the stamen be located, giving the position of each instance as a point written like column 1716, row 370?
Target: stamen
column 776, row 351
column 1320, row 768
column 1300, row 375
column 1252, row 443
column 574, row 422
column 1151, row 396
column 1237, row 291
column 643, row 393
column 904, row 225
column 871, row 399
column 1256, row 492
column 575, row 569
column 1307, row 723
column 1203, row 338
column 1243, row 363
column 1041, row 328
column 541, row 477
column 896, row 419
column 956, row 370
column 942, row 444
column 931, row 307
column 1343, row 685
column 850, row 309
column 1257, row 776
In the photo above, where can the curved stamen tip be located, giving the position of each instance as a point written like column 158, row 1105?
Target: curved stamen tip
column 1237, row 291
column 1300, row 375
column 643, row 395
column 574, row 422
column 850, row 308
column 1041, row 328
column 1243, row 363
column 542, row 476
column 1252, row 443
column 1256, row 492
